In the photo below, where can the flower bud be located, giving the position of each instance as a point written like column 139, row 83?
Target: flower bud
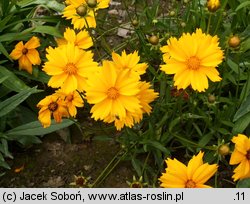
column 211, row 98
column 154, row 40
column 183, row 24
column 82, row 10
column 172, row 13
column 213, row 5
column 224, row 149
column 234, row 41
column 135, row 23
column 92, row 3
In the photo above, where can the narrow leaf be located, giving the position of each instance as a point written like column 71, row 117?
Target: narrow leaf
column 12, row 102
column 35, row 128
column 244, row 109
column 13, row 82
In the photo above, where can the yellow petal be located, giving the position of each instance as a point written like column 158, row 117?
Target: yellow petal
column 25, row 64
column 33, row 43
column 33, row 57
column 194, row 164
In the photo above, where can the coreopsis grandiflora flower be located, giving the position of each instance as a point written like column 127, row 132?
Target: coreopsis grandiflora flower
column 69, row 67
column 193, row 59
column 194, row 175
column 241, row 156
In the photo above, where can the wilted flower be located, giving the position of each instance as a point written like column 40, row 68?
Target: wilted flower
column 26, row 54
column 51, row 105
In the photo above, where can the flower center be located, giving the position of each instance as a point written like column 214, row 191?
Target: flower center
column 80, row 181
column 136, row 185
column 25, row 51
column 70, row 68
column 53, row 106
column 248, row 155
column 112, row 93
column 190, row 184
column 82, row 10
column 70, row 98
column 193, row 63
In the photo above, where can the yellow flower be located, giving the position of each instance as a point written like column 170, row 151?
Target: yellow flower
column 81, row 39
column 241, row 156
column 145, row 96
column 51, row 105
column 193, row 59
column 72, row 100
column 130, row 62
column 98, row 4
column 213, row 5
column 79, row 13
column 129, row 120
column 69, row 67
column 194, row 175
column 82, row 12
column 26, row 54
column 112, row 93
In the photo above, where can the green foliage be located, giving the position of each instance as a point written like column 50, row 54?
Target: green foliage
column 244, row 183
column 182, row 122
column 19, row 21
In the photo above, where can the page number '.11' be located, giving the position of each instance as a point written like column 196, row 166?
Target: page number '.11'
column 240, row 196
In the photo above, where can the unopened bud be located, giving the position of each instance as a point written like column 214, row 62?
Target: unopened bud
column 92, row 3
column 154, row 40
column 213, row 5
column 224, row 150
column 135, row 23
column 183, row 24
column 172, row 13
column 211, row 98
column 234, row 41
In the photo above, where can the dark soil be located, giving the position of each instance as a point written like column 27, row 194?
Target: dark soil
column 55, row 162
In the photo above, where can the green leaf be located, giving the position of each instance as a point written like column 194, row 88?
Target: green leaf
column 244, row 109
column 40, row 76
column 157, row 145
column 4, row 165
column 241, row 124
column 35, row 128
column 24, row 3
column 136, row 164
column 243, row 5
column 13, row 82
column 54, row 5
column 2, row 79
column 233, row 65
column 4, row 51
column 244, row 183
column 4, row 21
column 48, row 30
column 12, row 102
column 205, row 140
column 4, row 148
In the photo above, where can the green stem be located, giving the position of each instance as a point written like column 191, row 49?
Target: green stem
column 216, row 175
column 220, row 17
column 209, row 22
column 105, row 172
column 92, row 37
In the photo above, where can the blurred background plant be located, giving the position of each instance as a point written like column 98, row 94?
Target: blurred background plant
column 182, row 122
